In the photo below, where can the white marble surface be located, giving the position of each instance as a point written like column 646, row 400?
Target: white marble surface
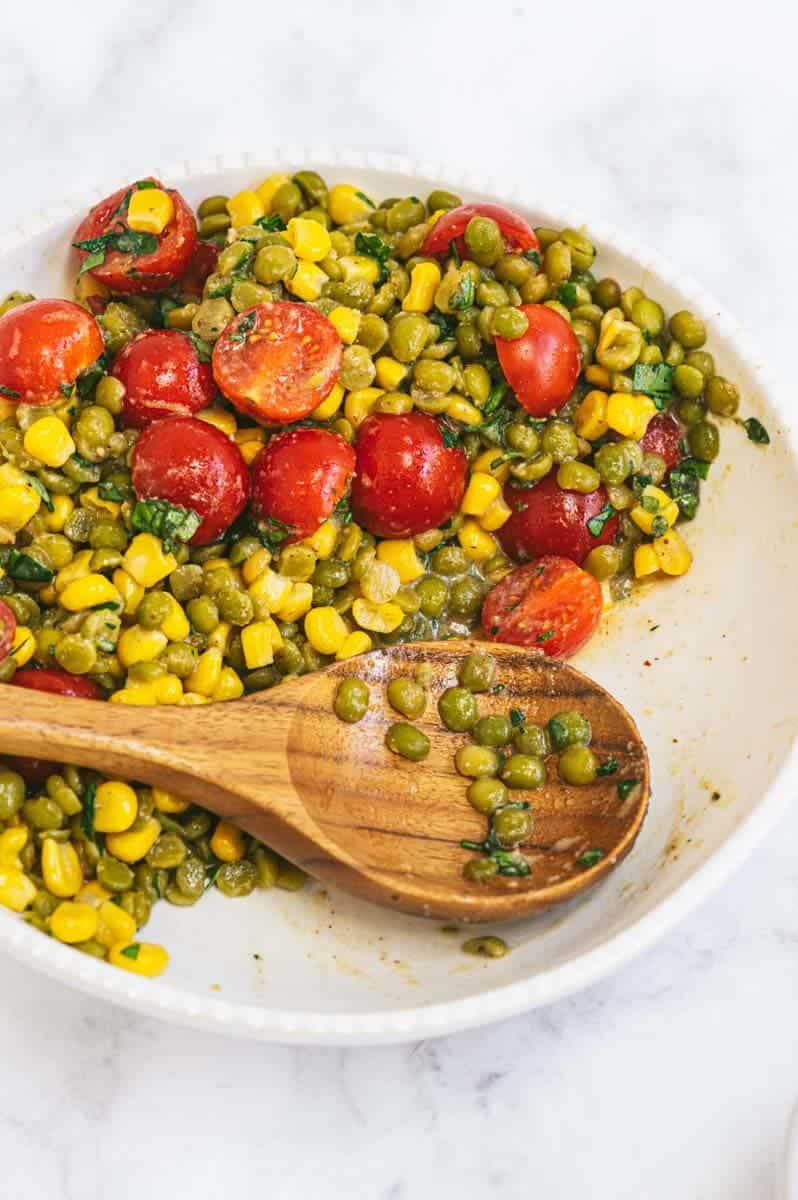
column 673, row 1079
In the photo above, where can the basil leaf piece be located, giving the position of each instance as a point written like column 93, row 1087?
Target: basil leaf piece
column 89, row 810
column 9, row 393
column 590, row 857
column 374, row 247
column 131, row 951
column 596, row 524
column 39, row 487
column 170, row 522
column 243, row 328
column 625, row 786
column 654, row 380
column 756, row 432
column 26, row 569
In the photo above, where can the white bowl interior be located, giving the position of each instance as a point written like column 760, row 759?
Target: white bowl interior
column 705, row 663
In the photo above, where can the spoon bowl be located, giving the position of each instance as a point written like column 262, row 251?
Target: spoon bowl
column 333, row 799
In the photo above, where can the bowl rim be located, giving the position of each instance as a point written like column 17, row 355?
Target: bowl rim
column 153, row 998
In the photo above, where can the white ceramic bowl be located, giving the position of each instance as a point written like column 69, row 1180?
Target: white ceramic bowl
column 706, row 663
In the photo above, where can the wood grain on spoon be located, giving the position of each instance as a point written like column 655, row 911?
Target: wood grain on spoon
column 331, row 797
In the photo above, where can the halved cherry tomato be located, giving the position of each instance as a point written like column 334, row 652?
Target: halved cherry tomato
column 192, row 464
column 129, row 273
column 8, row 628
column 277, row 361
column 518, row 234
column 547, row 520
column 203, row 263
column 407, row 479
column 541, row 366
column 298, row 479
column 163, row 377
column 61, row 683
column 550, row 605
column 662, row 437
column 44, row 345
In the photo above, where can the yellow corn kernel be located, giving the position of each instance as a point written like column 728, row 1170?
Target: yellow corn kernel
column 87, row 287
column 140, row 958
column 227, row 842
column 146, row 561
column 390, row 373
column 325, row 629
column 93, row 893
column 307, row 281
column 599, row 376
column 72, row 922
column 79, row 568
column 61, row 870
column 490, row 462
column 62, row 508
column 176, row 626
column 271, row 590
column 495, row 516
column 10, row 475
column 116, row 807
column 150, row 210
column 477, row 544
column 460, row 409
column 245, row 208
column 16, row 890
column 330, row 404
column 324, row 539
column 167, row 802
column 250, row 449
column 91, row 498
column 590, row 418
column 348, row 204
column 673, row 553
column 267, row 189
column 629, row 413
column 114, row 925
column 132, row 845
column 400, row 553
column 359, row 266
column 256, row 564
column 308, row 239
column 220, row 636
column 256, row 645
column 425, row 279
column 346, row 321
column 654, row 505
column 137, row 645
column 88, row 592
column 132, row 593
column 49, row 440
column 229, row 686
column 140, row 696
column 646, row 561
column 482, row 490
column 23, row 647
column 18, row 503
column 354, row 643
column 378, row 618
column 48, row 595
column 436, row 216
column 360, row 404
column 220, row 418
column 205, row 676
column 297, row 603
column 12, row 842
column 250, row 441
column 168, row 689
column 192, row 699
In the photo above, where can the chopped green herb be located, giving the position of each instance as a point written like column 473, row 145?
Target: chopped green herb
column 9, row 393
column 650, row 504
column 143, row 184
column 464, row 294
column 373, row 246
column 89, row 809
column 41, row 490
column 625, row 786
column 498, row 689
column 366, row 199
column 450, row 435
column 131, row 951
column 516, row 717
column 546, row 636
column 454, row 252
column 566, row 294
column 495, row 398
column 609, row 767
column 596, row 524
column 343, row 511
column 26, row 569
column 654, row 380
column 87, row 380
column 272, row 223
column 222, row 289
column 243, row 328
column 659, row 527
column 169, row 522
column 590, row 857
column 124, row 241
column 447, row 325
column 66, row 389
column 110, row 605
column 204, row 350
column 274, row 532
column 756, row 432
column 109, row 491
column 532, row 256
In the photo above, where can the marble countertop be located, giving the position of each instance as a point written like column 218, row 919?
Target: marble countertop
column 675, row 1077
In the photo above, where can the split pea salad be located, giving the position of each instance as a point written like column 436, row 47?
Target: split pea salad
column 298, row 424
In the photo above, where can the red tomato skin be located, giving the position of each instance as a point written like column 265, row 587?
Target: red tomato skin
column 193, row 464
column 662, row 437
column 518, row 234
column 203, row 263
column 542, row 366
column 276, row 362
column 299, row 477
column 406, row 480
column 8, row 628
column 163, row 377
column 547, row 520
column 550, row 605
column 153, row 272
column 60, row 683
column 45, row 344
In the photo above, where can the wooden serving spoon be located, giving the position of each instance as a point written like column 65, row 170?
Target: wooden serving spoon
column 333, row 799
